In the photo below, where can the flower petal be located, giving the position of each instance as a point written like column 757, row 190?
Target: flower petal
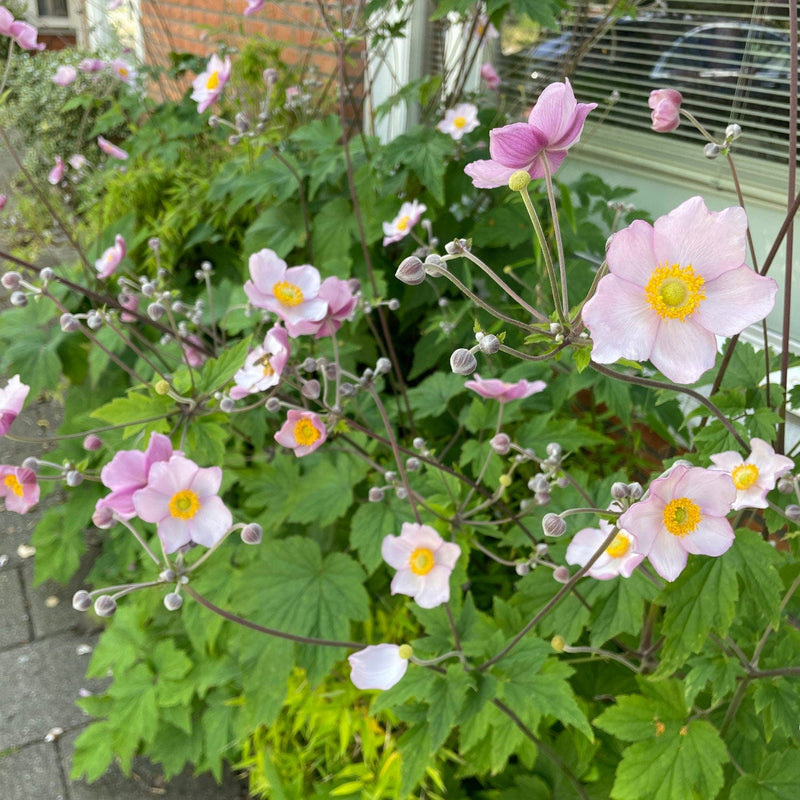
column 436, row 588
column 515, row 145
column 668, row 556
column 734, row 300
column 683, row 350
column 631, row 253
column 488, row 174
column 713, row 537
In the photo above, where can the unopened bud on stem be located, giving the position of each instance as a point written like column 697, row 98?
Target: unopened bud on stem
column 553, row 525
column 463, row 362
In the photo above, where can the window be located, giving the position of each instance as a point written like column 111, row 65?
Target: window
column 730, row 60
column 53, row 8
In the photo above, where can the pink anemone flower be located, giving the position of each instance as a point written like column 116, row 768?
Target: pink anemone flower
column 19, row 488
column 290, row 292
column 673, row 287
column 208, row 85
column 181, row 498
column 128, row 472
column 423, row 561
column 494, row 389
column 554, row 125
column 111, row 149
column 490, row 77
column 460, row 120
column 193, row 353
column 379, row 666
column 65, row 75
column 341, row 301
column 666, row 109
column 22, row 33
column 755, row 476
column 683, row 513
column 57, row 173
column 302, row 432
column 123, row 70
column 619, row 558
column 263, row 365
column 3, row 201
column 408, row 216
column 12, row 398
column 253, row 6
column 92, row 65
column 107, row 263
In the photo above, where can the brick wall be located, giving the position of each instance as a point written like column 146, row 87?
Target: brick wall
column 194, row 25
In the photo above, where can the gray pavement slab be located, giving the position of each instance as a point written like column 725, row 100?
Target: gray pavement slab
column 32, row 772
column 14, row 620
column 41, row 681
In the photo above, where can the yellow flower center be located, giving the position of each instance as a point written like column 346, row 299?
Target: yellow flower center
column 744, row 476
column 619, row 546
column 421, row 561
column 681, row 516
column 184, row 504
column 287, row 294
column 13, row 484
column 402, row 223
column 305, row 433
column 213, row 81
column 675, row 292
column 123, row 72
column 460, row 122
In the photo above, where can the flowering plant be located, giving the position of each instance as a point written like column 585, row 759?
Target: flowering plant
column 266, row 414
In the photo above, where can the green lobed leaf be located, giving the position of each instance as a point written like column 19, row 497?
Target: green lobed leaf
column 216, row 372
column 617, row 606
column 371, row 523
column 335, row 229
column 430, row 398
column 777, row 703
column 778, row 779
column 756, row 563
column 676, row 765
column 279, row 228
column 701, row 600
column 94, row 752
column 137, row 412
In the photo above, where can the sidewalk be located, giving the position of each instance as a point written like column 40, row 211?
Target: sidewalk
column 45, row 647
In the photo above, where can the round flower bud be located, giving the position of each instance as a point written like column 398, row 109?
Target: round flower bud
column 73, row 478
column 348, row 389
column 711, row 150
column 405, row 651
column 19, row 299
column 619, row 490
column 635, row 490
column 103, row 518
column 418, row 443
column 382, row 366
column 522, row 569
column 401, row 493
column 505, row 481
column 47, row 274
column 311, row 389
column 154, row 243
column 270, row 76
column 81, row 600
column 541, row 498
column 105, row 606
column 31, row 463
column 234, row 139
column 389, row 475
column 376, row 494
column 11, row 280
column 561, row 574
column 92, row 442
column 172, row 601
column 252, row 533
column 733, row 131
column 148, row 289
column 538, row 483
column 393, row 304
column 413, row 464
column 553, row 525
column 489, row 344
column 161, row 387
column 793, row 512
column 462, row 362
column 273, row 404
column 69, row 323
column 411, row 271
column 167, row 575
column 519, row 180
column 541, row 549
column 309, row 365
column 242, row 122
column 785, row 485
column 94, row 320
column 155, row 311
column 554, row 450
column 558, row 643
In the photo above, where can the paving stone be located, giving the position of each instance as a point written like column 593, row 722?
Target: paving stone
column 147, row 781
column 32, row 772
column 40, row 685
column 14, row 623
column 49, row 617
